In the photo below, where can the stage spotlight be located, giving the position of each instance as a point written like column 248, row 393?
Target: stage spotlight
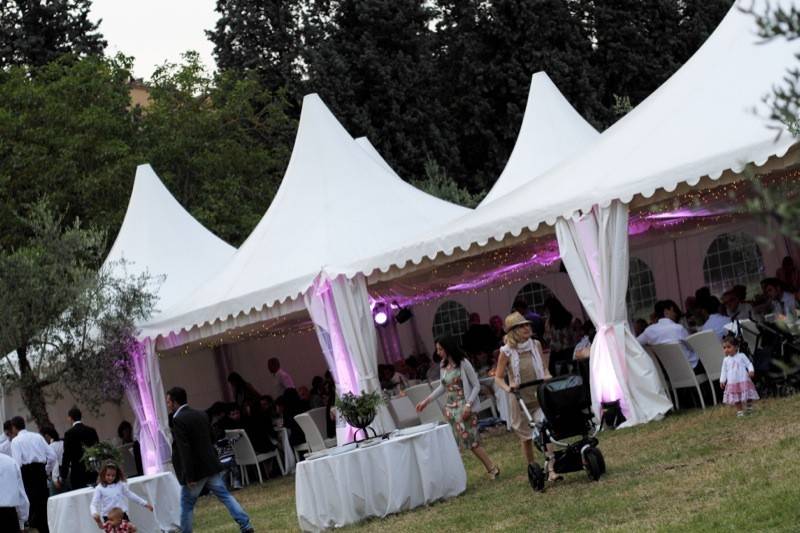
column 403, row 315
column 381, row 317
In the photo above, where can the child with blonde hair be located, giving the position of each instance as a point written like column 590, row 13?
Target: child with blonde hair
column 736, row 377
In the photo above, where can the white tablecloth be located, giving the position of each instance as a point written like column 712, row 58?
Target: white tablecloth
column 288, row 451
column 398, row 474
column 69, row 512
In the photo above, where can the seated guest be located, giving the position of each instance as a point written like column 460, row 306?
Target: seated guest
column 639, row 325
column 242, row 390
column 267, row 405
column 736, row 308
column 782, row 301
column 391, row 380
column 232, row 418
column 667, row 330
column 304, row 395
column 496, row 325
column 423, row 366
column 715, row 321
column 479, row 338
column 315, row 398
column 788, row 274
column 689, row 318
column 258, row 427
column 289, row 406
column 216, row 413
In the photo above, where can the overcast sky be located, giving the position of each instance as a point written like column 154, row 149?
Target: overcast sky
column 154, row 31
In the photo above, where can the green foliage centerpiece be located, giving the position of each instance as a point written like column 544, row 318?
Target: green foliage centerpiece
column 94, row 456
column 359, row 411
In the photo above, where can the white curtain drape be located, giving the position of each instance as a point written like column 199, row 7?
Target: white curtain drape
column 147, row 399
column 342, row 317
column 594, row 249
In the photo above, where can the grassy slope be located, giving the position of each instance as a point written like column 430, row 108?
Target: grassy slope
column 700, row 471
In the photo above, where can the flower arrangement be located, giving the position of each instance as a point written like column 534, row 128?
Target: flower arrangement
column 359, row 411
column 94, row 456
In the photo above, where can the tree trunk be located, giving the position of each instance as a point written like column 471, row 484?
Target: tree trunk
column 32, row 390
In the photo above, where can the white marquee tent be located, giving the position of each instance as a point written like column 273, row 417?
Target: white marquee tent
column 701, row 122
column 551, row 132
column 159, row 237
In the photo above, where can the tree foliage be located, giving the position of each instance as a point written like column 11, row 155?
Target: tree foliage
column 65, row 321
column 36, row 32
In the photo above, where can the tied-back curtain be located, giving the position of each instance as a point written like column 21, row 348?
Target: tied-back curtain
column 146, row 397
column 594, row 248
column 342, row 317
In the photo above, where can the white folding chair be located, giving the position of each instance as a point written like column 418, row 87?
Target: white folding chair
column 314, row 437
column 403, row 412
column 245, row 455
column 708, row 348
column 660, row 371
column 431, row 413
column 319, row 414
column 679, row 371
column 750, row 334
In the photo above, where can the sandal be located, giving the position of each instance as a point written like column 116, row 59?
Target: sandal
column 552, row 476
column 494, row 472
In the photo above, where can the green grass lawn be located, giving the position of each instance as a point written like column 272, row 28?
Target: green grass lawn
column 696, row 471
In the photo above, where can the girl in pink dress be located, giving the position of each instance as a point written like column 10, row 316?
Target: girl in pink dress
column 736, row 377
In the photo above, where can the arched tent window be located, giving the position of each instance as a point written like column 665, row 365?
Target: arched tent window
column 451, row 318
column 534, row 295
column 732, row 259
column 641, row 295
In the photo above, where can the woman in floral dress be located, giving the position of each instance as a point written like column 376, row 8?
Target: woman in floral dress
column 461, row 386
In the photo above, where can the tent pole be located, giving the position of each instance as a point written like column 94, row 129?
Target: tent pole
column 677, row 270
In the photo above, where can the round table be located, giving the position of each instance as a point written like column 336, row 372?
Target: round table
column 69, row 512
column 395, row 475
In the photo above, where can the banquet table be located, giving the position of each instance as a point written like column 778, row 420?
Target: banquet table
column 69, row 512
column 397, row 474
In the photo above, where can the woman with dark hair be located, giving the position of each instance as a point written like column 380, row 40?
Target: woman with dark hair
column 461, row 385
column 242, row 390
column 559, row 334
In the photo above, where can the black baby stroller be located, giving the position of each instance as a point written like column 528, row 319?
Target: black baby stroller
column 567, row 412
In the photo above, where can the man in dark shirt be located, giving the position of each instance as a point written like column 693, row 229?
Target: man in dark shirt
column 77, row 438
column 195, row 461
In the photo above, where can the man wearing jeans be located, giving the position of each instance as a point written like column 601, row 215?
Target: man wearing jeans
column 195, row 461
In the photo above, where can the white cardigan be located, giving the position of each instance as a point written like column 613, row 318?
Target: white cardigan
column 469, row 380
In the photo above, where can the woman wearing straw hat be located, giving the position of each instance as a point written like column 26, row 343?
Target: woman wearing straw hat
column 520, row 361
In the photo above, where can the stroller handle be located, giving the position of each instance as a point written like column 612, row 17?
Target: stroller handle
column 533, row 383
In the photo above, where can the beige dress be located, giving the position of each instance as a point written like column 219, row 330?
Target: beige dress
column 529, row 360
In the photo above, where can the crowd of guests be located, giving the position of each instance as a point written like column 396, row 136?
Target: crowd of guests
column 43, row 464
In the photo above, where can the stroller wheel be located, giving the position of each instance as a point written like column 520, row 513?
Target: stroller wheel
column 601, row 461
column 595, row 464
column 536, row 477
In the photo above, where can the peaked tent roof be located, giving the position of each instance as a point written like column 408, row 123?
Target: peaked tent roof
column 335, row 202
column 160, row 237
column 701, row 122
column 551, row 132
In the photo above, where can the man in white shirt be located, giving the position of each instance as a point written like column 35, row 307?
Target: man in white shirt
column 783, row 302
column 715, row 321
column 14, row 504
column 36, row 460
column 282, row 379
column 667, row 330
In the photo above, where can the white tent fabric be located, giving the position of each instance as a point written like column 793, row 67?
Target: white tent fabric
column 700, row 122
column 551, row 132
column 331, row 207
column 594, row 248
column 342, row 317
column 160, row 237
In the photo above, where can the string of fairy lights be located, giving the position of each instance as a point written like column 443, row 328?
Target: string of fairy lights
column 537, row 255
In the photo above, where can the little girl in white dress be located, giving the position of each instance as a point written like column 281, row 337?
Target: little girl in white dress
column 736, row 377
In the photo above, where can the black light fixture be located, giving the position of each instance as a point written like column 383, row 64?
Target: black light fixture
column 403, row 315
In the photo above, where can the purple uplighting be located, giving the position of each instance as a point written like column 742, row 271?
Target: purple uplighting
column 149, row 432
